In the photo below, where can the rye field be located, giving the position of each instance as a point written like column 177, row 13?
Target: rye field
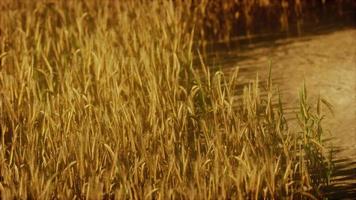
column 113, row 100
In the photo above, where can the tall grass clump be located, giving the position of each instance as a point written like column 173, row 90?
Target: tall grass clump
column 101, row 100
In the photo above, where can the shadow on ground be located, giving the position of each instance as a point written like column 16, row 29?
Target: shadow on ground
column 343, row 180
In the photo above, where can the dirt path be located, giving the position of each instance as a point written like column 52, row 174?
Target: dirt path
column 327, row 63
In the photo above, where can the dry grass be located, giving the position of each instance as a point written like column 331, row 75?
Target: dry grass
column 224, row 19
column 102, row 100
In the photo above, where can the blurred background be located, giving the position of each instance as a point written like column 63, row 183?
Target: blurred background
column 227, row 19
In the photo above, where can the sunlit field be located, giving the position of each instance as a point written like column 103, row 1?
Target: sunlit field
column 113, row 100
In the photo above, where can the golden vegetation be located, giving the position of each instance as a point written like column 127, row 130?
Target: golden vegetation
column 101, row 100
column 224, row 19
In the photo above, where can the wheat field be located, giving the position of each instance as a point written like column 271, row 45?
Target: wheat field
column 112, row 100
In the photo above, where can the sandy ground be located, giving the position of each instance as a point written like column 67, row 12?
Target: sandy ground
column 327, row 63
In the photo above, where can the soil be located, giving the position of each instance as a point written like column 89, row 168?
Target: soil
column 327, row 63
